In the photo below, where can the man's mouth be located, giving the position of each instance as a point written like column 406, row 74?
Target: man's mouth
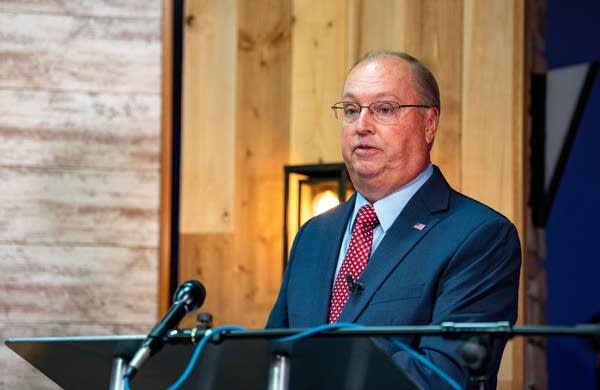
column 364, row 149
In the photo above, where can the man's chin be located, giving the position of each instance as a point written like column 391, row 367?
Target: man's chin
column 364, row 174
column 367, row 170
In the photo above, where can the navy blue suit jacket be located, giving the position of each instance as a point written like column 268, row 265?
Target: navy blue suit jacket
column 463, row 266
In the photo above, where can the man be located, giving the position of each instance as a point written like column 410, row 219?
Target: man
column 436, row 255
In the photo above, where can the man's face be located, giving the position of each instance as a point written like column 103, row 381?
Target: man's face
column 383, row 157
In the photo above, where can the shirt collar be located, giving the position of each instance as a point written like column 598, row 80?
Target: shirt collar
column 389, row 207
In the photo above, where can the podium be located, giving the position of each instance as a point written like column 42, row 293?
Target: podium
column 244, row 360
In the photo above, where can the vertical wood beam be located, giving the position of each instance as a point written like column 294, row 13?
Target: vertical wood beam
column 208, row 117
column 262, row 149
column 493, row 128
column 318, row 71
column 166, row 158
column 244, row 82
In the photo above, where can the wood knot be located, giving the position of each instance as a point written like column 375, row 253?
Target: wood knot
column 190, row 20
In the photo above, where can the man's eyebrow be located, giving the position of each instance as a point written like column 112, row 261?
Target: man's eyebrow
column 378, row 96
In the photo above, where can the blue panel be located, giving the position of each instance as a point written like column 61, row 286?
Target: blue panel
column 573, row 234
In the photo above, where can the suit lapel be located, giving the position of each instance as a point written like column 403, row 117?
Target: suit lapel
column 335, row 224
column 411, row 226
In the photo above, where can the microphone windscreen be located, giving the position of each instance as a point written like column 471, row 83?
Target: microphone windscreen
column 192, row 293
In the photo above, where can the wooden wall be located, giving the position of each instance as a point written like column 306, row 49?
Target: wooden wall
column 79, row 172
column 235, row 141
column 259, row 81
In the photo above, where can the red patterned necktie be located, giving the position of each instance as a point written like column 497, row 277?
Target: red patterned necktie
column 355, row 260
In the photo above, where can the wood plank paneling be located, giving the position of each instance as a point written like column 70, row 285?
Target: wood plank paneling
column 79, row 53
column 205, row 257
column 68, row 129
column 262, row 147
column 208, row 119
column 441, row 26
column 318, row 70
column 493, row 104
column 241, row 265
column 108, row 8
column 62, row 285
column 77, row 206
column 79, row 150
column 386, row 26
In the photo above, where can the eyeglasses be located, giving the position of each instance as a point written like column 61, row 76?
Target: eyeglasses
column 382, row 112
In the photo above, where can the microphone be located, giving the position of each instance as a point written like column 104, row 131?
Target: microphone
column 354, row 285
column 188, row 297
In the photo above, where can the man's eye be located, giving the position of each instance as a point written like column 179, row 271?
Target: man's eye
column 350, row 111
column 386, row 110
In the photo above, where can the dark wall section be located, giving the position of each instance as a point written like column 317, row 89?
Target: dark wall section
column 573, row 230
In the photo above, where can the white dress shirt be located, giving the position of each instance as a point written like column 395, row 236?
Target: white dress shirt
column 387, row 209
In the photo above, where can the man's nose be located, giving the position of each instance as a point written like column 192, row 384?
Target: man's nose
column 365, row 122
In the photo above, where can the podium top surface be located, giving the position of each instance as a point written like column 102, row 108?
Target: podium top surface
column 352, row 363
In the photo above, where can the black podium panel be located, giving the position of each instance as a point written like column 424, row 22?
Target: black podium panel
column 349, row 363
column 315, row 363
column 343, row 363
column 86, row 362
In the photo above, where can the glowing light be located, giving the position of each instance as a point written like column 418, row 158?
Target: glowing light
column 324, row 201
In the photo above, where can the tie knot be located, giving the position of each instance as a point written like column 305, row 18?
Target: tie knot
column 367, row 217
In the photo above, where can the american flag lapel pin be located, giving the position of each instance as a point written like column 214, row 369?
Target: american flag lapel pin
column 419, row 226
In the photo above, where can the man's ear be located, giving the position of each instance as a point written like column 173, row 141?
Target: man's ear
column 432, row 119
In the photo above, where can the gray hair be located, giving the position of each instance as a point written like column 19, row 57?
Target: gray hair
column 425, row 84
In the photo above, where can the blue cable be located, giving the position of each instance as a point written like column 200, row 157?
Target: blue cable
column 126, row 383
column 426, row 362
column 315, row 330
column 298, row 336
column 196, row 355
column 346, row 325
